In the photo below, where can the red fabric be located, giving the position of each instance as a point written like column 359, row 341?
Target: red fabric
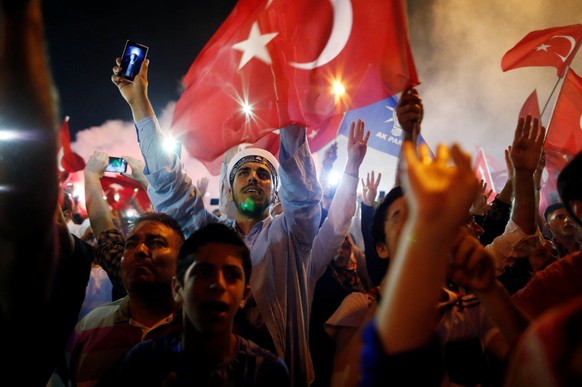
column 565, row 129
column 125, row 188
column 70, row 161
column 564, row 137
column 558, row 283
column 555, row 162
column 279, row 82
column 531, row 106
column 555, row 47
column 482, row 170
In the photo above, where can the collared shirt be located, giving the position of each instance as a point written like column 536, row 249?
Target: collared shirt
column 149, row 364
column 280, row 247
column 104, row 336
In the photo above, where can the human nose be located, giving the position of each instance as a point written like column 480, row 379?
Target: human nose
column 218, row 282
column 253, row 176
column 141, row 250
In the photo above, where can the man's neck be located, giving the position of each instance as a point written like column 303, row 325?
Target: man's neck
column 246, row 224
column 151, row 310
column 213, row 348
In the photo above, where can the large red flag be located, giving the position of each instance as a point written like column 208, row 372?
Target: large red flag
column 531, row 106
column 276, row 62
column 69, row 161
column 555, row 47
column 565, row 129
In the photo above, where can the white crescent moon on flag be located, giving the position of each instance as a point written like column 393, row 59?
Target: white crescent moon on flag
column 572, row 45
column 580, row 122
column 340, row 33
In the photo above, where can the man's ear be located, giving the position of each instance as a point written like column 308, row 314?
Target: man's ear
column 382, row 250
column 246, row 294
column 229, row 195
column 177, row 290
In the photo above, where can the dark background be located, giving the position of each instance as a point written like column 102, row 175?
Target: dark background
column 85, row 37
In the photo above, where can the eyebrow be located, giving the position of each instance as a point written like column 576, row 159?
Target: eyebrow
column 148, row 237
column 246, row 169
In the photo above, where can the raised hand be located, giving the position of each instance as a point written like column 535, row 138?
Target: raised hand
column 136, row 174
column 202, row 185
column 330, row 156
column 409, row 113
column 480, row 205
column 509, row 164
column 370, row 188
column 527, row 144
column 357, row 147
column 97, row 164
column 136, row 92
column 436, row 189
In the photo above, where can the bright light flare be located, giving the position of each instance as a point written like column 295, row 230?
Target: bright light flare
column 338, row 89
column 9, row 135
column 247, row 109
column 131, row 213
column 333, row 178
column 170, row 144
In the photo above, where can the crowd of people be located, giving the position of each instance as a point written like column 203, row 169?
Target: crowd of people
column 295, row 282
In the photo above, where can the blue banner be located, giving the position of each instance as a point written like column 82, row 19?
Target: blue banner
column 380, row 119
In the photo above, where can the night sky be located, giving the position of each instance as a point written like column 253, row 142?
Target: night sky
column 85, row 37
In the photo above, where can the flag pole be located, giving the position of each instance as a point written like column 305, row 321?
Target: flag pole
column 552, row 93
column 563, row 78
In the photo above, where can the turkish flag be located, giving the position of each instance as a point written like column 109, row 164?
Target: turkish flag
column 482, row 170
column 565, row 129
column 531, row 106
column 274, row 62
column 119, row 191
column 555, row 47
column 69, row 161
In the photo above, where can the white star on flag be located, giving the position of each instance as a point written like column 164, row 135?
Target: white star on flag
column 312, row 134
column 255, row 46
column 542, row 47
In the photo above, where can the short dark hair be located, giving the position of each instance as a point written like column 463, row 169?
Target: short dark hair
column 570, row 184
column 159, row 217
column 217, row 233
column 550, row 210
column 378, row 233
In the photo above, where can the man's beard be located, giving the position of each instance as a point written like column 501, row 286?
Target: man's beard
column 250, row 208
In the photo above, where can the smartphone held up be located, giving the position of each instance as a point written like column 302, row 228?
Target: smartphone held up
column 133, row 56
column 116, row 164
